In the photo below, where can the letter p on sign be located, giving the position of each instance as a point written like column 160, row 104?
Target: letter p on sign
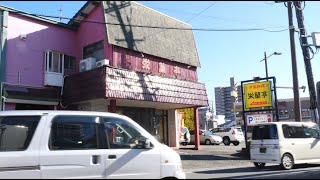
column 250, row 119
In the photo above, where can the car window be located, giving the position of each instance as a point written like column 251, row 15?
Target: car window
column 310, row 133
column 265, row 132
column 298, row 132
column 16, row 132
column 215, row 130
column 121, row 134
column 208, row 133
column 184, row 130
column 239, row 129
column 73, row 132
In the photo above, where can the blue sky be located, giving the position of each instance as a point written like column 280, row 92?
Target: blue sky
column 226, row 54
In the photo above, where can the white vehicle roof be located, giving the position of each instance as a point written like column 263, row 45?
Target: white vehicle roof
column 58, row 112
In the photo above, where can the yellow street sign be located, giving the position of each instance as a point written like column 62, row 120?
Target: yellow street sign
column 257, row 95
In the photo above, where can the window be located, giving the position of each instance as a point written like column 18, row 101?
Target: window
column 74, row 132
column 299, row 132
column 16, row 132
column 94, row 50
column 122, row 135
column 215, row 130
column 305, row 113
column 264, row 132
column 57, row 62
column 69, row 62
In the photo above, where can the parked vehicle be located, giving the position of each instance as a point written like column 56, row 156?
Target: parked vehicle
column 285, row 143
column 79, row 144
column 184, row 136
column 206, row 137
column 229, row 135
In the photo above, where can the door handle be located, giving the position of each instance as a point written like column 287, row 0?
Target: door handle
column 112, row 157
column 95, row 159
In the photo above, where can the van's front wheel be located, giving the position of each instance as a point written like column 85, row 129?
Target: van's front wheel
column 259, row 165
column 287, row 161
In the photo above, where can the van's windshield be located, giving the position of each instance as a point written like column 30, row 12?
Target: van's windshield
column 264, row 132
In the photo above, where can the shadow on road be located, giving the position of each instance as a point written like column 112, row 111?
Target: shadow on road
column 235, row 156
column 274, row 171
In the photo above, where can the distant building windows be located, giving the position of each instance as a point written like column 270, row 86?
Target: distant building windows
column 305, row 113
column 283, row 114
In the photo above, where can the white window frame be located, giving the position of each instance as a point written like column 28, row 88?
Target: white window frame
column 60, row 64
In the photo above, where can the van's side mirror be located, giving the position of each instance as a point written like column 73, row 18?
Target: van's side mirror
column 147, row 144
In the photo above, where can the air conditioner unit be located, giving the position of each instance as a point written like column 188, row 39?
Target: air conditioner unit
column 102, row 62
column 87, row 64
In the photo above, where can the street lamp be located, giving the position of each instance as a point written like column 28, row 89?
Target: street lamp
column 265, row 61
column 302, row 87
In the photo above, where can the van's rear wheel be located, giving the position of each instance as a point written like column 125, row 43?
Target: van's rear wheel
column 287, row 162
column 259, row 165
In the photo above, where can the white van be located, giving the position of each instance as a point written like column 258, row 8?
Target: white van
column 285, row 143
column 79, row 144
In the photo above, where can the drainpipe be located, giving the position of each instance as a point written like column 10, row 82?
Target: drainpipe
column 2, row 97
column 64, row 77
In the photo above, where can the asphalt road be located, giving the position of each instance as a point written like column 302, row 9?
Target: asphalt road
column 227, row 162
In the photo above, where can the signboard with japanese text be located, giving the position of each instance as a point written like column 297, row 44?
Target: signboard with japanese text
column 180, row 121
column 257, row 95
column 254, row 119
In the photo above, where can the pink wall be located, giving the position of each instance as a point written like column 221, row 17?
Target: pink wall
column 132, row 60
column 27, row 56
column 89, row 33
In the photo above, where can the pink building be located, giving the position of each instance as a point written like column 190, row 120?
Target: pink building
column 118, row 65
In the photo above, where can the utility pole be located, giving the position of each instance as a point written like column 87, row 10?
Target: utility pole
column 296, row 95
column 266, row 64
column 307, row 59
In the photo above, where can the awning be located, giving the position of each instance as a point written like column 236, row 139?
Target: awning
column 44, row 95
column 115, row 83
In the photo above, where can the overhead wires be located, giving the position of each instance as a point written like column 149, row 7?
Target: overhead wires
column 153, row 27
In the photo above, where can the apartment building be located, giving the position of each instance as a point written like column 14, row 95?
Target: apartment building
column 225, row 98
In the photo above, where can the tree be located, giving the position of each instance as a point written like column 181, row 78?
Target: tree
column 188, row 117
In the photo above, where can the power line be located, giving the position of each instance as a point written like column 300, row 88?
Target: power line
column 155, row 27
column 187, row 21
column 202, row 11
column 219, row 18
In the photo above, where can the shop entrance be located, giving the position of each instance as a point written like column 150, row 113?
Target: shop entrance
column 153, row 120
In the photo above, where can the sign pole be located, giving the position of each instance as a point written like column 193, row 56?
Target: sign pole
column 244, row 117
